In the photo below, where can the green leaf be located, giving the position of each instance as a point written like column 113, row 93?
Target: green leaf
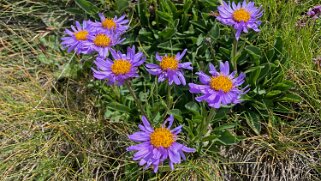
column 119, row 107
column 255, row 73
column 264, row 71
column 254, row 52
column 273, row 93
column 165, row 16
column 168, row 46
column 228, row 138
column 142, row 13
column 282, row 86
column 88, row 7
column 187, row 5
column 157, row 118
column 221, row 114
column 164, row 6
column 198, row 119
column 253, row 120
column 210, row 3
column 214, row 32
column 177, row 114
column 121, row 5
column 291, row 97
column 199, row 40
column 193, row 107
column 172, row 8
column 167, row 33
column 75, row 10
column 213, row 137
column 270, row 54
column 278, row 45
column 226, row 51
column 199, row 24
column 224, row 127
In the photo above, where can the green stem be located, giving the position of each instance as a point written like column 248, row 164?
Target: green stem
column 233, row 56
column 138, row 102
column 169, row 97
column 204, row 126
column 201, row 128
column 116, row 91
column 210, row 43
column 211, row 115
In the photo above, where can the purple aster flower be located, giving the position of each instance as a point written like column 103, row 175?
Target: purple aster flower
column 122, row 68
column 311, row 13
column 77, row 37
column 221, row 88
column 170, row 68
column 314, row 12
column 115, row 24
column 158, row 145
column 103, row 41
column 241, row 16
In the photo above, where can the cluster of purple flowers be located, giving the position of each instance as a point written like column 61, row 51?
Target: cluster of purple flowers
column 92, row 36
column 218, row 89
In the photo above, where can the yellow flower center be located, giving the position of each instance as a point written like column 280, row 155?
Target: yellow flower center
column 162, row 137
column 241, row 15
column 169, row 63
column 109, row 23
column 102, row 40
column 81, row 35
column 121, row 67
column 222, row 83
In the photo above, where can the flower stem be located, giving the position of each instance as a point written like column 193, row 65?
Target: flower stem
column 211, row 115
column 169, row 97
column 138, row 102
column 204, row 126
column 116, row 91
column 233, row 56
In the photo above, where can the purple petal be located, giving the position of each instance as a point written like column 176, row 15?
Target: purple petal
column 180, row 56
column 181, row 78
column 177, row 130
column 138, row 146
column 205, row 79
column 147, row 124
column 159, row 58
column 171, row 165
column 174, row 156
column 176, row 79
column 186, row 65
column 139, row 136
column 169, row 120
column 188, row 150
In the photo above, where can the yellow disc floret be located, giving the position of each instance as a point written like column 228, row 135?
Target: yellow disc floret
column 81, row 35
column 109, row 23
column 241, row 15
column 102, row 40
column 121, row 67
column 169, row 63
column 162, row 137
column 222, row 83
